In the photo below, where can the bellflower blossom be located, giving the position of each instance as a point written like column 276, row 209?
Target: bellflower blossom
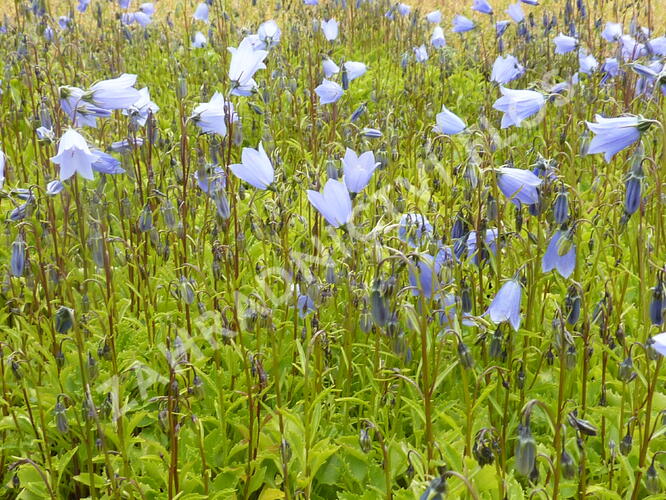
column 354, row 70
column 358, row 169
column 64, row 22
column 461, row 24
column 44, row 134
column 201, row 12
column 612, row 135
column 506, row 69
column 448, row 123
column 437, row 39
column 518, row 105
column 564, row 44
column 210, row 179
column 610, row 69
column 83, row 5
column 506, row 304
column 371, row 133
column 269, row 33
column 143, row 106
column 330, row 29
column 74, row 156
column 143, row 19
column 144, row 16
column 434, row 17
column 147, row 8
column 126, row 145
column 245, row 62
column 199, row 41
column 81, row 112
column 651, row 75
column 482, row 6
column 587, row 63
column 127, row 18
column 330, row 68
column 518, row 185
column 212, row 117
column 501, row 27
column 560, row 256
column 423, row 275
column 657, row 46
column 421, row 54
column 516, row 13
column 124, row 4
column 404, row 9
column 117, row 93
column 106, row 164
column 612, row 32
column 329, row 92
column 333, row 203
column 256, row 168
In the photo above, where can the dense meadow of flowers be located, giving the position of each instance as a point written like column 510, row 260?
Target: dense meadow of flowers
column 332, row 249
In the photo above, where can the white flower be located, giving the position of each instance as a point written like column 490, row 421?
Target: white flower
column 329, row 92
column 245, row 62
column 199, row 41
column 269, row 34
column 358, row 170
column 201, row 12
column 74, row 156
column 448, row 123
column 211, row 117
column 330, row 29
column 333, row 203
column 354, row 69
column 330, row 68
column 117, row 93
column 140, row 109
column 256, row 168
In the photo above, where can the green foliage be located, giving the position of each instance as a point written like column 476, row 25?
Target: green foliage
column 188, row 370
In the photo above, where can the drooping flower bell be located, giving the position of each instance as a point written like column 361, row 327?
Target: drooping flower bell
column 333, row 203
column 245, row 62
column 448, row 123
column 506, row 69
column 269, row 33
column 358, row 169
column 461, row 24
column 518, row 105
column 256, row 168
column 518, row 185
column 482, row 6
column 329, row 92
column 516, row 13
column 74, row 156
column 437, row 39
column 212, row 117
column 506, row 304
column 201, row 12
column 564, row 44
column 612, row 135
column 330, row 29
column 560, row 254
